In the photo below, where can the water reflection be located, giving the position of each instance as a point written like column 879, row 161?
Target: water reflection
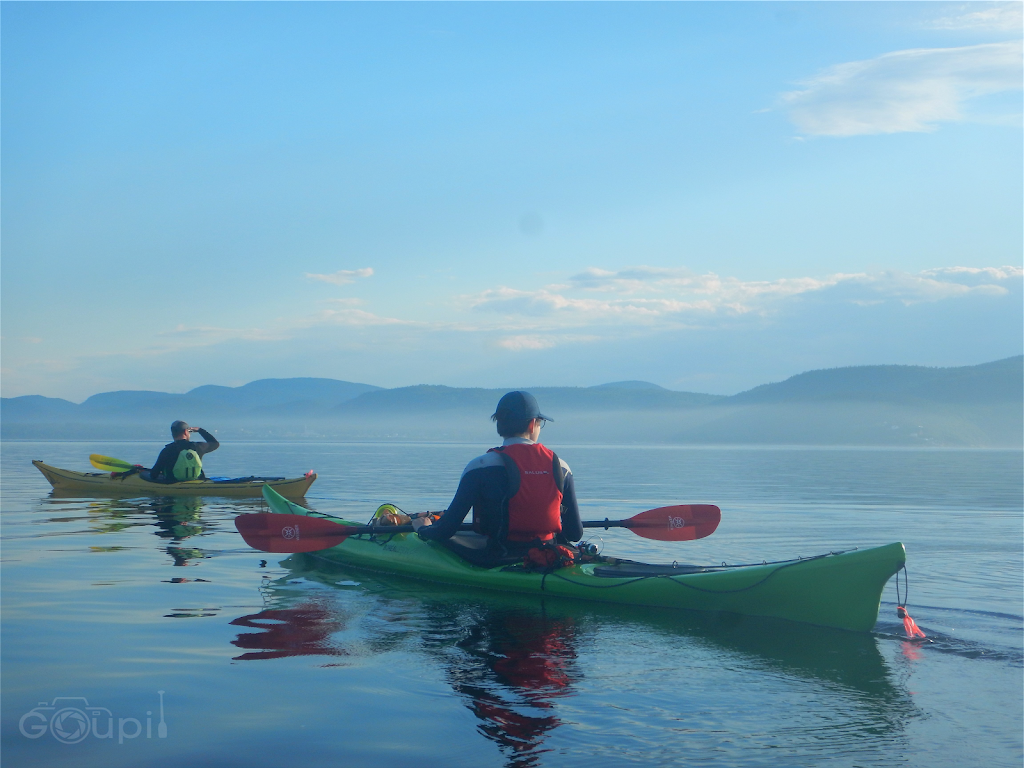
column 175, row 518
column 513, row 666
column 304, row 630
column 515, row 660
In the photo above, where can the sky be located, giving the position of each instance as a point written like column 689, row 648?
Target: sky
column 706, row 196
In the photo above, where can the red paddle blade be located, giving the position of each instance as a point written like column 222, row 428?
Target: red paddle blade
column 684, row 522
column 279, row 533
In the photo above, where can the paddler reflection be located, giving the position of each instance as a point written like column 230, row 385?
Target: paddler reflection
column 515, row 665
column 177, row 519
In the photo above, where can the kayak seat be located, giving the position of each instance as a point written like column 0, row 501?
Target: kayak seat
column 474, row 549
column 632, row 570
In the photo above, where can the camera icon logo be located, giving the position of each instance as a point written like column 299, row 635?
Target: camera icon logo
column 69, row 719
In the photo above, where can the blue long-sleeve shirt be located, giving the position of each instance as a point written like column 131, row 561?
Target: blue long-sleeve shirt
column 484, row 484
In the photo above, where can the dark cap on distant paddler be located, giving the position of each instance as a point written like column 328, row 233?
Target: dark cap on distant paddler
column 520, row 405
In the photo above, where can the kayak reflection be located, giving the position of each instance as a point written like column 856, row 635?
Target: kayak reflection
column 517, row 661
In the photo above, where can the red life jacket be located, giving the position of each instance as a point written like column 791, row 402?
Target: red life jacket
column 534, row 499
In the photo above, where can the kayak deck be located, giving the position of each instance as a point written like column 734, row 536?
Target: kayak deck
column 840, row 589
column 102, row 483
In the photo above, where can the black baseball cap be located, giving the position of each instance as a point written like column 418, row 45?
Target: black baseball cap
column 520, row 405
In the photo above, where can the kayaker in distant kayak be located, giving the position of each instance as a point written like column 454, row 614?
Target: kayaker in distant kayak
column 522, row 495
column 182, row 459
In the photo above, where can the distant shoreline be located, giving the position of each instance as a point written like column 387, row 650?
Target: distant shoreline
column 978, row 406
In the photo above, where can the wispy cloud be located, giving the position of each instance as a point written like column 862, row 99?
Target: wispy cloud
column 347, row 302
column 903, row 91
column 350, row 317
column 638, row 321
column 534, row 342
column 185, row 336
column 662, row 297
column 1000, row 17
column 342, row 276
column 524, row 342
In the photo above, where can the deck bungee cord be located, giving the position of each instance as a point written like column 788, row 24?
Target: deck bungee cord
column 783, row 564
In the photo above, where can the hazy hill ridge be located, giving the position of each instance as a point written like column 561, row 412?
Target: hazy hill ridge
column 989, row 382
column 863, row 405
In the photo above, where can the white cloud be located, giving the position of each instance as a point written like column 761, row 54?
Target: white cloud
column 350, row 317
column 930, row 286
column 520, row 343
column 534, row 342
column 903, row 91
column 342, row 276
column 1006, row 17
column 975, row 275
column 348, row 302
column 185, row 337
column 659, row 297
column 659, row 279
column 546, row 304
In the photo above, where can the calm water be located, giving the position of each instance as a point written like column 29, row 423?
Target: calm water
column 273, row 661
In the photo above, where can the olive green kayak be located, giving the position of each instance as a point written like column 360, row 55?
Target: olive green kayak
column 102, row 483
column 838, row 589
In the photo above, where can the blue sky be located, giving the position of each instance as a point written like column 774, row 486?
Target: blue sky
column 708, row 196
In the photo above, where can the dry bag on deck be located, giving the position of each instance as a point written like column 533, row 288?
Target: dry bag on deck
column 188, row 466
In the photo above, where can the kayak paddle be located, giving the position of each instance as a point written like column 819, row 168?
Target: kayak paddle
column 283, row 533
column 108, row 464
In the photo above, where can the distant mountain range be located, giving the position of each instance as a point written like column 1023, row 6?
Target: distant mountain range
column 866, row 405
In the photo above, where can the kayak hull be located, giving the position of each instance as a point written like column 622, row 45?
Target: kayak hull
column 840, row 590
column 102, row 484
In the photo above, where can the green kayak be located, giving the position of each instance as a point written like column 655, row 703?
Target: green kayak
column 838, row 589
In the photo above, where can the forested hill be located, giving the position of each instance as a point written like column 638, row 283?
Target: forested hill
column 865, row 405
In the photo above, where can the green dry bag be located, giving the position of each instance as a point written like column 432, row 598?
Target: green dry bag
column 188, row 466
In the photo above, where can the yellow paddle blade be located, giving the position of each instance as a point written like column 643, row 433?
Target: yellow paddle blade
column 108, row 464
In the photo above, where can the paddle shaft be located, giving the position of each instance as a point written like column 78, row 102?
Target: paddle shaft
column 357, row 530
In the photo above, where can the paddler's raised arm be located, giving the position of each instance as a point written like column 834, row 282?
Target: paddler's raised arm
column 210, row 444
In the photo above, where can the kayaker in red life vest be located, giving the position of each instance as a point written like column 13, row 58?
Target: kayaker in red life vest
column 182, row 459
column 521, row 493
